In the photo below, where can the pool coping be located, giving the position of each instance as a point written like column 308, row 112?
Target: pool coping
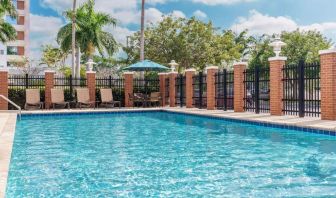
column 7, row 132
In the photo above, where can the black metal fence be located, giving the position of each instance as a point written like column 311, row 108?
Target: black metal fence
column 146, row 85
column 224, row 90
column 301, row 89
column 180, row 88
column 116, row 84
column 257, row 90
column 69, row 84
column 167, row 90
column 17, row 85
column 200, row 89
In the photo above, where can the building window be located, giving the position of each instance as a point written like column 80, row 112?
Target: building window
column 12, row 50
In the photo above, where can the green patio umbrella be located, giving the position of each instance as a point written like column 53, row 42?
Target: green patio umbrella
column 146, row 65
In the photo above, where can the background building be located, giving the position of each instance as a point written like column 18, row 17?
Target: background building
column 13, row 53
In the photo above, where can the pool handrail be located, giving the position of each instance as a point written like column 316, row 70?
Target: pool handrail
column 12, row 103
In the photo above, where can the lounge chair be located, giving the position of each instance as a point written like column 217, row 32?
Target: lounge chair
column 33, row 99
column 83, row 98
column 141, row 98
column 57, row 98
column 107, row 98
column 155, row 97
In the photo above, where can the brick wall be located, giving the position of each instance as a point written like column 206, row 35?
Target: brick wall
column 328, row 84
column 49, row 84
column 276, row 85
column 3, row 89
column 91, row 84
column 239, row 89
column 128, row 76
column 211, row 87
column 189, row 87
column 162, row 78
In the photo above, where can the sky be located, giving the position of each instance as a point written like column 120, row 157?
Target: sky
column 258, row 16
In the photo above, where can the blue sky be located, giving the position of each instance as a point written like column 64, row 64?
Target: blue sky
column 259, row 16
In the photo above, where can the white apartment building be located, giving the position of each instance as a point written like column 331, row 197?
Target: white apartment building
column 13, row 53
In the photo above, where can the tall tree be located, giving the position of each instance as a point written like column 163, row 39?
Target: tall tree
column 190, row 42
column 300, row 45
column 90, row 34
column 53, row 57
column 73, row 40
column 7, row 31
column 142, row 32
column 8, row 8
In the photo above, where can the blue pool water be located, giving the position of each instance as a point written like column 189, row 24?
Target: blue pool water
column 158, row 154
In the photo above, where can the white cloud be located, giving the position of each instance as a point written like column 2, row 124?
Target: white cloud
column 177, row 14
column 221, row 2
column 199, row 14
column 43, row 30
column 259, row 24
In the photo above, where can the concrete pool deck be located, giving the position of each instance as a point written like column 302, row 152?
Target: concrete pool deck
column 8, row 124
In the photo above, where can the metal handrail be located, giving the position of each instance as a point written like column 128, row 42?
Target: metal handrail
column 15, row 105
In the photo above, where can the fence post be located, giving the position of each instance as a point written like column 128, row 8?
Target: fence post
column 49, row 84
column 276, row 85
column 128, row 76
column 301, row 71
column 91, row 84
column 162, row 79
column 256, row 89
column 172, row 88
column 211, row 87
column 26, row 81
column 328, row 84
column 225, row 88
column 110, row 82
column 3, row 88
column 239, row 87
column 189, row 87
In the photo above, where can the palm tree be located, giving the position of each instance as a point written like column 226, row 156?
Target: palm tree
column 90, row 35
column 73, row 38
column 142, row 37
column 7, row 31
column 7, row 7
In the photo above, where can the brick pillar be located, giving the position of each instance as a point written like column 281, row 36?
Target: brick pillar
column 3, row 89
column 276, row 85
column 189, row 87
column 91, row 84
column 128, row 77
column 172, row 87
column 162, row 78
column 328, row 84
column 211, row 87
column 49, row 84
column 239, row 89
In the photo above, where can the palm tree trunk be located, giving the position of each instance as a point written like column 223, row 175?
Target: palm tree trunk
column 73, row 45
column 78, row 65
column 142, row 38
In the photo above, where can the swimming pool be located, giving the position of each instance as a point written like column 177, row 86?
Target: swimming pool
column 160, row 154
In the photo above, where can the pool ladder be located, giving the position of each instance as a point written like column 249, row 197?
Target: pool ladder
column 12, row 103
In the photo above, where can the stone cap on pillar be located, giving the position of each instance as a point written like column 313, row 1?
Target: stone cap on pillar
column 329, row 51
column 173, row 72
column 240, row 63
column 278, row 58
column 162, row 74
column 49, row 71
column 90, row 72
column 190, row 70
column 211, row 67
column 4, row 69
